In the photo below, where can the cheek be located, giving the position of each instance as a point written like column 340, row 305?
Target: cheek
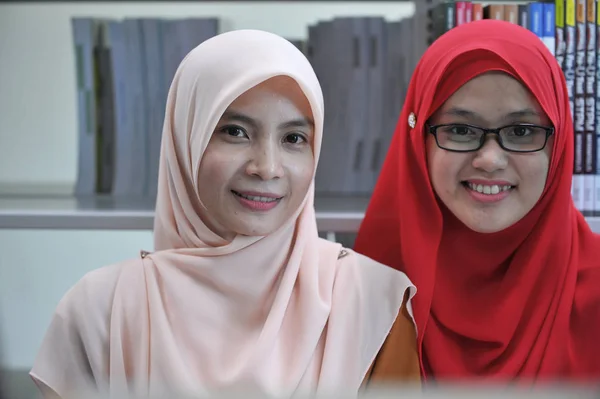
column 300, row 168
column 216, row 170
column 443, row 168
column 533, row 172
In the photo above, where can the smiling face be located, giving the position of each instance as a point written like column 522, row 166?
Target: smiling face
column 489, row 189
column 259, row 163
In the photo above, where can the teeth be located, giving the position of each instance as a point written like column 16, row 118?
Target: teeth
column 494, row 189
column 256, row 198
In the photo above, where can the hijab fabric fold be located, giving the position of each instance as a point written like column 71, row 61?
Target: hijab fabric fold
column 520, row 303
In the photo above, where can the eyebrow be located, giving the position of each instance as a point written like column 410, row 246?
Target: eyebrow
column 456, row 111
column 303, row 122
column 238, row 116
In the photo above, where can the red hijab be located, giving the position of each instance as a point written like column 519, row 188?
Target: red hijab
column 521, row 303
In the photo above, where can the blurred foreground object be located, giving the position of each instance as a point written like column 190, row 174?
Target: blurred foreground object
column 453, row 391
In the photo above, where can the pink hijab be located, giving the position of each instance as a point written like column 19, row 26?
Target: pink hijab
column 282, row 314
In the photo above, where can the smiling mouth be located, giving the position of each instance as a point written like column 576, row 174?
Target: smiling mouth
column 257, row 198
column 491, row 189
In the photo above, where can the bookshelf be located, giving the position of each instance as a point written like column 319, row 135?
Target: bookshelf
column 334, row 214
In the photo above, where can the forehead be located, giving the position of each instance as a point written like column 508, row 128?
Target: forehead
column 492, row 94
column 278, row 88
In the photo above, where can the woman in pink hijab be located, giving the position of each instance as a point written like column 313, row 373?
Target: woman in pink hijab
column 240, row 293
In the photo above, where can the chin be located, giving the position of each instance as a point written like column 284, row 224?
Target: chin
column 486, row 225
column 486, row 228
column 257, row 228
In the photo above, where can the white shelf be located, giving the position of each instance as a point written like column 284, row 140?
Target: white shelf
column 336, row 214
column 594, row 222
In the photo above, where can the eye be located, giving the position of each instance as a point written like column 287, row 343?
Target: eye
column 234, row 131
column 294, row 138
column 520, row 131
column 460, row 130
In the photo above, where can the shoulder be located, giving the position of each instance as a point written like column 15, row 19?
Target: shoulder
column 392, row 286
column 74, row 350
column 383, row 288
column 398, row 359
column 92, row 295
column 372, row 272
column 383, row 296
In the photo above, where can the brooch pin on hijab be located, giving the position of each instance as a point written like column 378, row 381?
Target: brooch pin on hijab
column 412, row 120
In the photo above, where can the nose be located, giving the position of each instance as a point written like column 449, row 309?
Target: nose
column 265, row 162
column 491, row 157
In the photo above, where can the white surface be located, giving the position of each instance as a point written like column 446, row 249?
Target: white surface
column 37, row 267
column 38, row 147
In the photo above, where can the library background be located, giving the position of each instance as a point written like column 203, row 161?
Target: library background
column 82, row 95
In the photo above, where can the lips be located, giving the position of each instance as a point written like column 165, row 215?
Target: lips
column 258, row 197
column 257, row 202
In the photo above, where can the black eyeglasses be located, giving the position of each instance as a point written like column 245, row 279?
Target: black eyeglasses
column 460, row 137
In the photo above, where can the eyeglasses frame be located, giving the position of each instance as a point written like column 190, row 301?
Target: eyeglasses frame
column 432, row 129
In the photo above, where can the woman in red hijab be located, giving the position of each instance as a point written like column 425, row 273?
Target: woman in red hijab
column 474, row 204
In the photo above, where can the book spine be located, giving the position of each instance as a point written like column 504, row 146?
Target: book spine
column 511, row 13
column 559, row 32
column 549, row 26
column 468, row 11
column 589, row 142
column 461, row 12
column 569, row 70
column 493, row 11
column 524, row 15
column 536, row 19
column 477, row 11
column 596, row 194
column 450, row 16
column 579, row 116
column 87, row 168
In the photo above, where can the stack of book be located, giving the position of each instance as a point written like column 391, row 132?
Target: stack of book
column 124, row 70
column 125, row 67
column 364, row 65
